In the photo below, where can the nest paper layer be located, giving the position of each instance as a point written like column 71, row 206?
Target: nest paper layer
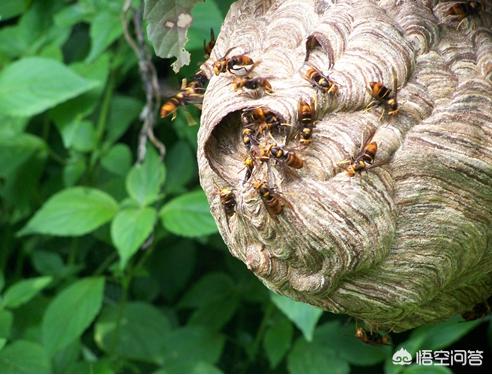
column 410, row 241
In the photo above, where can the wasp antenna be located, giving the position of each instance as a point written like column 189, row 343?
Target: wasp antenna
column 370, row 106
column 229, row 51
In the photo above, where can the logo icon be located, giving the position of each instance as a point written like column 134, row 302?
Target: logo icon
column 402, row 357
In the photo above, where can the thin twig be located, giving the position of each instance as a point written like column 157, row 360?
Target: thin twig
column 149, row 78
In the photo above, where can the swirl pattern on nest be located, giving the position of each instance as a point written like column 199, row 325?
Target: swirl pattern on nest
column 406, row 243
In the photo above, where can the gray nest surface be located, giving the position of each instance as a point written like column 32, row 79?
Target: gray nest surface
column 409, row 240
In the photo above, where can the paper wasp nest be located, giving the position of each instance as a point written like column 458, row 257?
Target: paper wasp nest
column 406, row 242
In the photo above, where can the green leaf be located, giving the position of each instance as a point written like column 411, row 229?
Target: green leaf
column 142, row 332
column 15, row 150
column 20, row 190
column 71, row 312
column 206, row 15
column 53, row 52
column 28, row 318
column 129, row 230
column 70, row 15
column 118, row 159
column 168, row 23
column 433, row 337
column 304, row 316
column 439, row 336
column 341, row 338
column 182, row 127
column 12, row 8
column 144, row 181
column 216, row 313
column 313, row 358
column 74, row 169
column 277, row 340
column 33, row 31
column 123, row 110
column 105, row 29
column 204, row 368
column 24, row 357
column 185, row 347
column 79, row 135
column 188, row 215
column 72, row 212
column 416, row 369
column 102, row 366
column 173, row 267
column 51, row 264
column 196, row 368
column 34, row 84
column 74, row 110
column 181, row 166
column 24, row 291
column 66, row 357
column 6, row 319
column 10, row 126
column 211, row 287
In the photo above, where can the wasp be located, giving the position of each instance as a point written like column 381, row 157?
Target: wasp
column 273, row 201
column 288, row 157
column 255, row 117
column 363, row 160
column 199, row 80
column 249, row 163
column 306, row 111
column 385, row 97
column 478, row 311
column 261, row 117
column 190, row 93
column 317, row 79
column 208, row 47
column 236, row 65
column 253, row 84
column 228, row 202
column 464, row 10
column 372, row 338
column 248, row 137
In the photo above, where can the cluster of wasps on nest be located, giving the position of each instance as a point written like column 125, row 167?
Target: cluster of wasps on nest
column 261, row 127
column 260, row 124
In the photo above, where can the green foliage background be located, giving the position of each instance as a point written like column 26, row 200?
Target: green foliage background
column 112, row 266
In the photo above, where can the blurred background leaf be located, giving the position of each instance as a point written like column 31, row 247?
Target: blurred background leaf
column 188, row 215
column 32, row 85
column 73, row 211
column 304, row 316
column 71, row 312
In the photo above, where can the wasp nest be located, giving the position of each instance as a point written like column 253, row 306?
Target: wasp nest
column 395, row 236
